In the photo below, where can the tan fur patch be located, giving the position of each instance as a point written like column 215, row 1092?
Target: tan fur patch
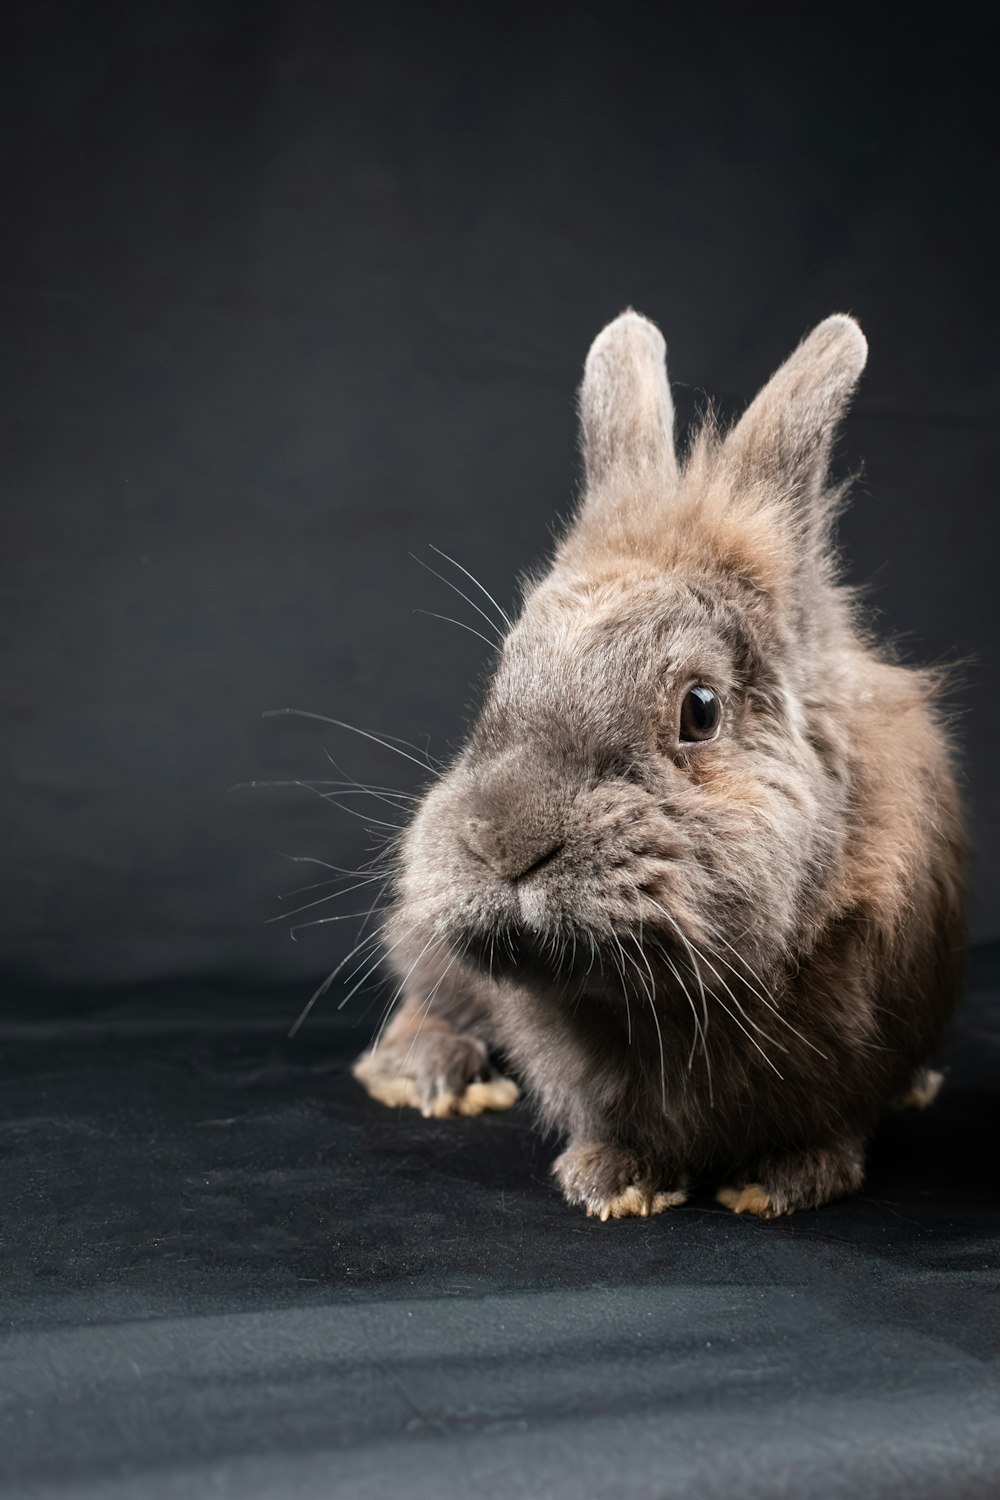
column 496, row 1093
column 476, row 1099
column 636, row 1203
column 924, row 1090
column 752, row 1199
column 394, row 1090
column 441, row 1107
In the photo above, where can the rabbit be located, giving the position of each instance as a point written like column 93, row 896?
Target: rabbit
column 698, row 872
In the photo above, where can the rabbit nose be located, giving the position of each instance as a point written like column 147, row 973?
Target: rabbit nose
column 510, row 853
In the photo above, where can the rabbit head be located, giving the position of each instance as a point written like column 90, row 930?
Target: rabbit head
column 655, row 771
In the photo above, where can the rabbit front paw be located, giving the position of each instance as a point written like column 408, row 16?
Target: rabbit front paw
column 441, row 1072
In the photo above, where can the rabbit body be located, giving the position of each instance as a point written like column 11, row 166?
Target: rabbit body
column 698, row 871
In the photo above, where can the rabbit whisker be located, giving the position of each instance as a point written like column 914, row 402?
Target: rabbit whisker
column 699, row 1032
column 505, row 617
column 283, row 916
column 746, row 1017
column 353, row 811
column 315, row 885
column 621, row 970
column 383, row 740
column 380, row 955
column 387, row 794
column 651, row 996
column 425, row 1012
column 454, row 586
column 432, row 942
column 694, row 968
column 310, row 859
column 322, row 989
column 242, row 786
column 450, row 620
column 346, row 916
column 763, row 998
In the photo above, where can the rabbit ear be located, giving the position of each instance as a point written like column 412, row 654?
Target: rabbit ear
column 786, row 433
column 626, row 414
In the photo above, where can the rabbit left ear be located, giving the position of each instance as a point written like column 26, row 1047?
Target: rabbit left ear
column 626, row 414
column 785, row 435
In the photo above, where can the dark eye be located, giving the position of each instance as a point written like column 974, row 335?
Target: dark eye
column 701, row 714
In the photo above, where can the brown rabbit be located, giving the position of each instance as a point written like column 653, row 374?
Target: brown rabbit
column 698, row 871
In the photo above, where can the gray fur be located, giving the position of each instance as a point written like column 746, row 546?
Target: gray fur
column 720, row 960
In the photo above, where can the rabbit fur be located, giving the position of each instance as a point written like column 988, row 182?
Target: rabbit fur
column 716, row 960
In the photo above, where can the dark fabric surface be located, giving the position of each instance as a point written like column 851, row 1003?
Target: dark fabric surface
column 227, row 1272
column 290, row 290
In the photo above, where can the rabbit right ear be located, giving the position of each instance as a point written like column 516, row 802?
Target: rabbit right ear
column 786, row 433
column 626, row 414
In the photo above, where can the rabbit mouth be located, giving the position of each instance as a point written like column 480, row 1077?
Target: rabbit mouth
column 510, row 950
column 573, row 958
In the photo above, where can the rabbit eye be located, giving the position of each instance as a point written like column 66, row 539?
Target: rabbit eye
column 701, row 714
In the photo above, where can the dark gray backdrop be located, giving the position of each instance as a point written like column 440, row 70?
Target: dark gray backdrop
column 291, row 290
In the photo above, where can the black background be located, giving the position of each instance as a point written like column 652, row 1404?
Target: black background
column 293, row 290
column 290, row 291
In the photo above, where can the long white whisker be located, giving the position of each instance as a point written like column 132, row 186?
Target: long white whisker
column 345, row 916
column 370, row 942
column 314, row 885
column 357, row 789
column 746, row 1016
column 310, row 859
column 454, row 586
column 770, row 1005
column 739, row 1023
column 312, row 1001
column 746, row 1033
column 593, row 956
column 344, row 789
column 283, row 916
column 353, row 812
column 699, row 1034
column 242, row 786
column 450, row 620
column 304, row 713
column 375, row 907
column 432, row 942
column 379, row 793
column 383, row 954
column 620, row 964
column 651, row 997
column 322, row 989
column 425, row 1011
column 701, row 986
column 505, row 617
column 314, row 787
column 628, row 1006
